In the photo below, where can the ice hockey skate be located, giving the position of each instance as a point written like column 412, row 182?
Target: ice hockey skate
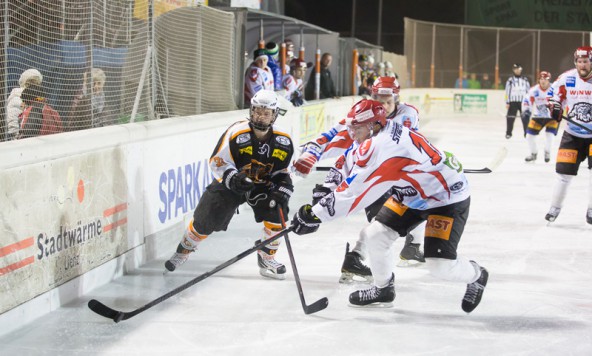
column 531, row 158
column 411, row 255
column 177, row 259
column 475, row 290
column 374, row 297
column 268, row 266
column 353, row 267
column 589, row 216
column 547, row 157
column 552, row 214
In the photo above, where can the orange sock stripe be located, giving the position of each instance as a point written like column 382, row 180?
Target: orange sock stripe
column 194, row 232
column 272, row 226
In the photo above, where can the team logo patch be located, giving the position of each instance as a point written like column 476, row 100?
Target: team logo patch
column 581, row 112
column 333, row 177
column 219, row 162
column 242, row 138
column 570, row 82
column 264, row 150
column 283, row 140
column 279, row 154
column 439, row 227
column 328, row 202
column 247, row 150
column 456, row 186
column 401, row 192
column 567, row 156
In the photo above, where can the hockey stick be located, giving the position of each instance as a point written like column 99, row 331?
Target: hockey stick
column 118, row 316
column 319, row 304
column 468, row 170
column 577, row 124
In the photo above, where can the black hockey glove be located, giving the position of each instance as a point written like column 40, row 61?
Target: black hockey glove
column 304, row 221
column 556, row 110
column 526, row 115
column 237, row 181
column 319, row 193
column 280, row 195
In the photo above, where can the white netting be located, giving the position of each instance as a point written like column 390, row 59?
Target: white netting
column 157, row 59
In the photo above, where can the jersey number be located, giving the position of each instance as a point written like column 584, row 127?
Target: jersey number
column 423, row 145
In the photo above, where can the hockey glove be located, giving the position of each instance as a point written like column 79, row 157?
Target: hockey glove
column 526, row 115
column 237, row 181
column 556, row 110
column 308, row 158
column 319, row 193
column 281, row 194
column 304, row 221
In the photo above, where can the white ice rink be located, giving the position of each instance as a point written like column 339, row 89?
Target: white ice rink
column 538, row 300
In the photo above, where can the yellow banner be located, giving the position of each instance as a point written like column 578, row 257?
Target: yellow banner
column 163, row 6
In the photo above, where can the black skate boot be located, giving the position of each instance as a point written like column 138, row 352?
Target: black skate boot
column 178, row 258
column 410, row 254
column 475, row 291
column 547, row 157
column 552, row 214
column 268, row 266
column 531, row 158
column 352, row 266
column 375, row 296
column 589, row 216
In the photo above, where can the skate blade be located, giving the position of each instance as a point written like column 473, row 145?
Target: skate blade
column 268, row 274
column 409, row 263
column 349, row 278
column 380, row 305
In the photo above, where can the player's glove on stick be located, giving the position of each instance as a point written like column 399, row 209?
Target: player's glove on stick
column 304, row 221
column 281, row 195
column 319, row 193
column 526, row 115
column 237, row 181
column 310, row 155
column 556, row 110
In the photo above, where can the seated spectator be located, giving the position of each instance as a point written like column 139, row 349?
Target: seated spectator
column 293, row 83
column 258, row 76
column 474, row 83
column 464, row 84
column 14, row 102
column 38, row 118
column 89, row 109
column 388, row 70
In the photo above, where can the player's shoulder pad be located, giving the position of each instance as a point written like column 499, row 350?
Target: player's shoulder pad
column 238, row 128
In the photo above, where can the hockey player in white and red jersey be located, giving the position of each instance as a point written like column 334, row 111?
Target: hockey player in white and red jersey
column 571, row 95
column 250, row 164
column 293, row 84
column 258, row 76
column 426, row 185
column 536, row 111
column 337, row 141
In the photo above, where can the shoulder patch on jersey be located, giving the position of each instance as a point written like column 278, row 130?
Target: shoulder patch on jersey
column 279, row 154
column 253, row 75
column 570, row 81
column 283, row 140
column 242, row 138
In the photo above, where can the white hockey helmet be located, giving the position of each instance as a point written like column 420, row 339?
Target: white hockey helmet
column 267, row 99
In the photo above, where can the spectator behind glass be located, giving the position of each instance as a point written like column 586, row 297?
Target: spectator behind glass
column 13, row 104
column 89, row 109
column 38, row 118
column 293, row 83
column 464, row 84
column 486, row 82
column 258, row 76
column 273, row 52
column 474, row 83
column 327, row 88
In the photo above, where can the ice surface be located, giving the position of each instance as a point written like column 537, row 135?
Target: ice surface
column 538, row 300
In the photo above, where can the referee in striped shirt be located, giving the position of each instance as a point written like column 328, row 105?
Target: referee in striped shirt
column 516, row 87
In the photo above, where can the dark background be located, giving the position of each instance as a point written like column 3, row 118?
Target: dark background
column 336, row 15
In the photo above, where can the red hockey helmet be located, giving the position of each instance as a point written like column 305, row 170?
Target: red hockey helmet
column 583, row 52
column 366, row 111
column 386, row 86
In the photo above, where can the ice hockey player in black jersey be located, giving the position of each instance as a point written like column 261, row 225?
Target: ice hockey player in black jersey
column 250, row 164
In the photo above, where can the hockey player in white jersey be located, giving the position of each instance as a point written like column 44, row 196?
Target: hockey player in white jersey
column 293, row 83
column 426, row 184
column 571, row 94
column 536, row 111
column 336, row 142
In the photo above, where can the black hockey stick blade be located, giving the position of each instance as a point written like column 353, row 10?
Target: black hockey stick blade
column 482, row 170
column 319, row 304
column 117, row 315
